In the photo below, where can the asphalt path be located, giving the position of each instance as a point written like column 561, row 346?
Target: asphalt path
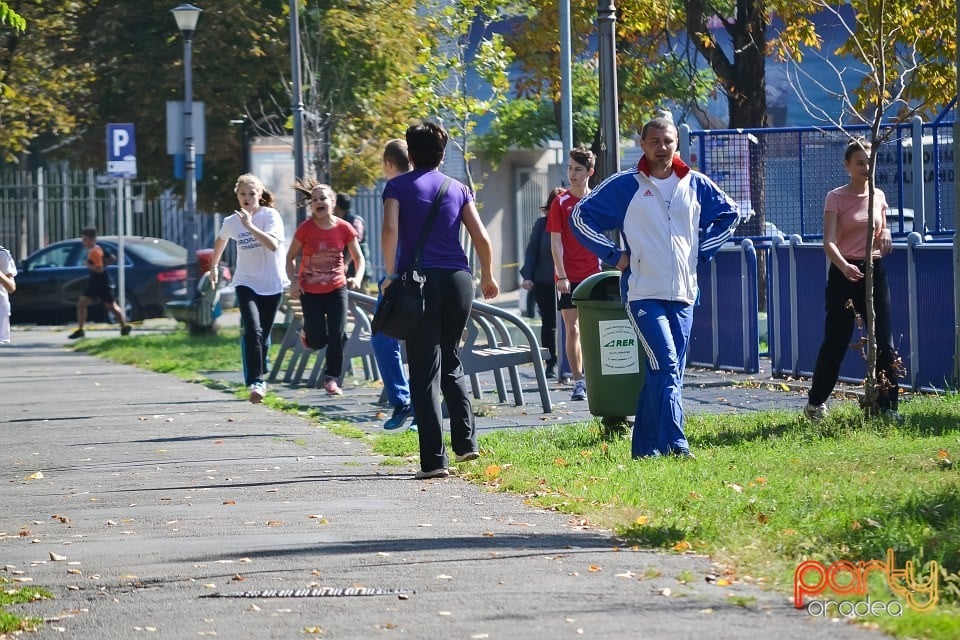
column 145, row 503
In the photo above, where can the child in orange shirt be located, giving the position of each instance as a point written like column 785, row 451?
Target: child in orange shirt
column 98, row 286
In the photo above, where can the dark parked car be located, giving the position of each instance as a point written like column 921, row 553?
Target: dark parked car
column 51, row 279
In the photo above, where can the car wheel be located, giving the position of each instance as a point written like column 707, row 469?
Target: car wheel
column 132, row 311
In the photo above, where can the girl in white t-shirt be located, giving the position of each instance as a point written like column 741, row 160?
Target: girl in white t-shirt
column 257, row 229
column 8, row 269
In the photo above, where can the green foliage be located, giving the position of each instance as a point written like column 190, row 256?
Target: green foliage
column 446, row 87
column 356, row 58
column 43, row 87
column 525, row 123
column 11, row 17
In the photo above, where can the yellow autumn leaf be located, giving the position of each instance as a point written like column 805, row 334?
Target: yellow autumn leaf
column 492, row 471
column 641, row 521
column 560, row 462
column 35, row 476
column 594, row 568
column 943, row 454
column 723, row 582
column 784, row 387
column 682, row 546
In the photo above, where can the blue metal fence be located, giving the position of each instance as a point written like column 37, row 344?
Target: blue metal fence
column 920, row 277
column 785, row 173
column 725, row 332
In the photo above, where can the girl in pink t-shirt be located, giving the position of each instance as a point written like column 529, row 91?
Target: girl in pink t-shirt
column 845, row 229
column 320, row 281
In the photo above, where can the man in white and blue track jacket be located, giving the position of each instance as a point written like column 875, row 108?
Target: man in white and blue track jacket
column 669, row 218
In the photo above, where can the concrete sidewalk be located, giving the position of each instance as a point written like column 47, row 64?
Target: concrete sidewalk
column 133, row 496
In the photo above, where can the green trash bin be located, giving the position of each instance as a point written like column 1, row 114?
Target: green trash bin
column 613, row 362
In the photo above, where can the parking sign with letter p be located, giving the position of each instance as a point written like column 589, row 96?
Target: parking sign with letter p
column 121, row 150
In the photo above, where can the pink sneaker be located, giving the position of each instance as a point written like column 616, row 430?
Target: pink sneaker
column 332, row 387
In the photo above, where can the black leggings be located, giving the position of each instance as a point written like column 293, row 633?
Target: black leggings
column 257, row 313
column 324, row 325
column 433, row 353
column 546, row 296
column 838, row 328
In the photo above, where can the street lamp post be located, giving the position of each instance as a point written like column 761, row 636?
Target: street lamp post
column 609, row 117
column 186, row 16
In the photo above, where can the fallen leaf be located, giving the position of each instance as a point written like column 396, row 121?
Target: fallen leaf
column 492, row 471
column 560, row 462
column 762, row 518
column 444, row 576
column 943, row 454
column 682, row 546
column 274, row 523
column 62, row 519
column 229, row 502
column 487, row 534
column 56, row 557
column 218, row 442
column 735, row 487
column 784, row 387
column 35, row 476
column 641, row 521
column 237, row 578
column 873, row 523
column 594, row 568
column 665, row 592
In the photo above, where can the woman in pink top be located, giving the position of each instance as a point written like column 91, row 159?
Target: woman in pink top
column 845, row 226
column 320, row 282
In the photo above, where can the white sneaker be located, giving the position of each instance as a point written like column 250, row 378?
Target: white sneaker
column 258, row 392
column 814, row 412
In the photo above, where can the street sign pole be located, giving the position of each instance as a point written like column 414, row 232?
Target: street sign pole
column 121, row 245
column 122, row 164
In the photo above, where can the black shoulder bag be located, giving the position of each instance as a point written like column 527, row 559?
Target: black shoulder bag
column 402, row 305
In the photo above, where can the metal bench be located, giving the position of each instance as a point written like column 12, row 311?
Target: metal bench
column 293, row 358
column 489, row 346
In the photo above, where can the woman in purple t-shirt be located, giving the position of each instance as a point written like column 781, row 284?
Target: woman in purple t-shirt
column 433, row 349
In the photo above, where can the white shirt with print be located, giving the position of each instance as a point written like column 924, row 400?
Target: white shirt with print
column 8, row 266
column 257, row 267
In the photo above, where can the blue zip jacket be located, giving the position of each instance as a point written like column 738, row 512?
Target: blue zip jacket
column 664, row 243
